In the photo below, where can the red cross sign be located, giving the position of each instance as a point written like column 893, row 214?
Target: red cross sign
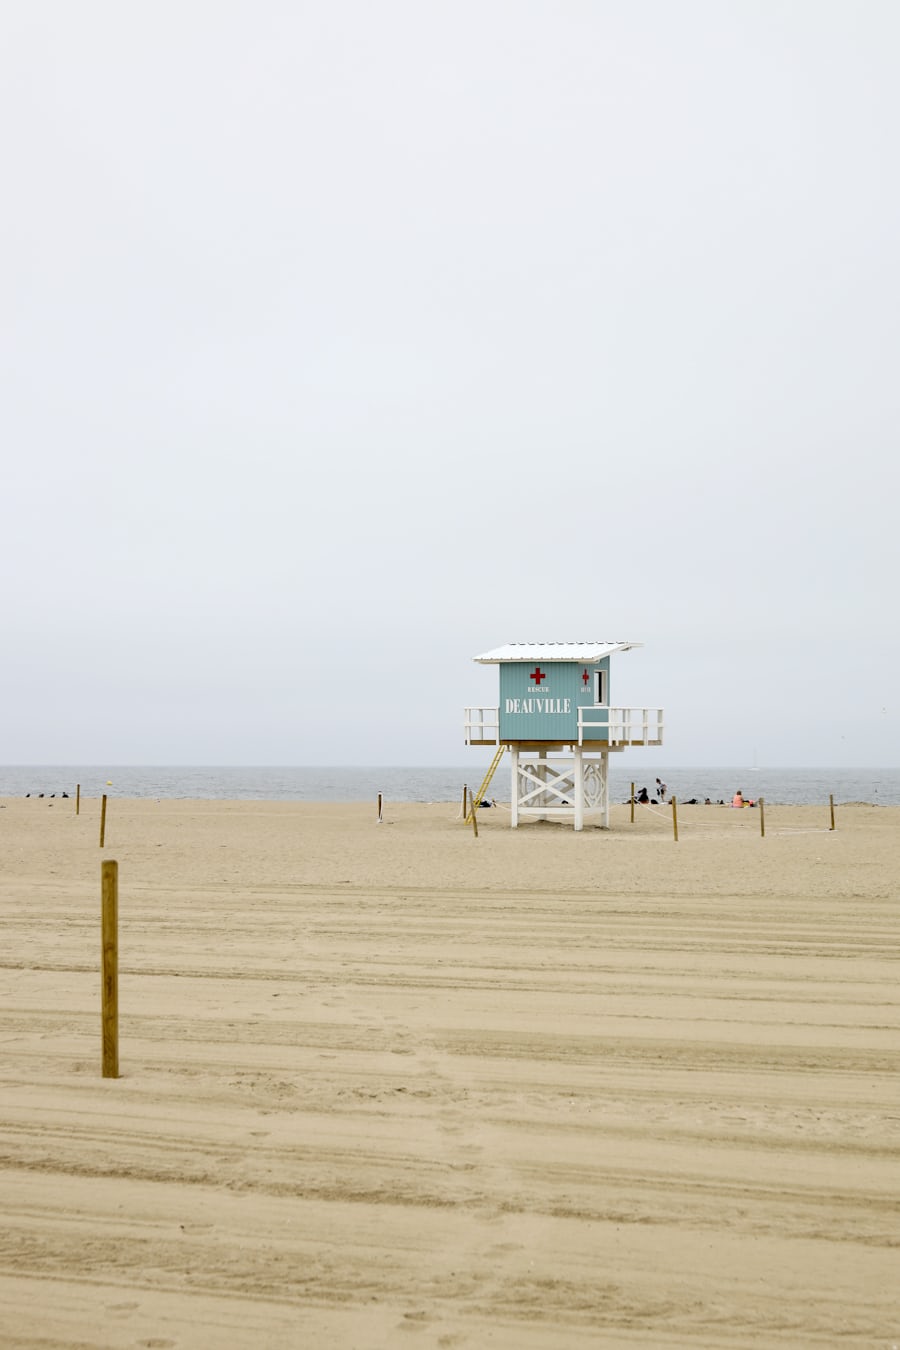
column 537, row 675
column 585, row 677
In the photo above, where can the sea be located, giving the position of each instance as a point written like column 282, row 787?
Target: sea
column 798, row 786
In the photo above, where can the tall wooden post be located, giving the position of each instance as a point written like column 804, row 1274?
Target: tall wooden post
column 632, row 803
column 675, row 817
column 762, row 817
column 109, row 925
column 831, row 805
column 78, row 799
column 380, row 808
column 103, row 820
column 465, row 802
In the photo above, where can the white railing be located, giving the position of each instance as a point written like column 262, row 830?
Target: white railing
column 624, row 726
column 482, row 726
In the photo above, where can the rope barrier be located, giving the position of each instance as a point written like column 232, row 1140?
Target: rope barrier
column 649, row 808
column 693, row 822
column 704, row 822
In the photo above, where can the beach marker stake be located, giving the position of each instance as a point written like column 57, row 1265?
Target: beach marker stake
column 380, row 804
column 103, row 820
column 465, row 801
column 762, row 817
column 474, row 818
column 109, row 925
column 675, row 817
column 78, row 799
column 632, row 803
column 831, row 804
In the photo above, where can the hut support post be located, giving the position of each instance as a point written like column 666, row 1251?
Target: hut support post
column 542, row 773
column 579, row 787
column 514, row 796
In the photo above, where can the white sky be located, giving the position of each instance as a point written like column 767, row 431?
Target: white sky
column 341, row 342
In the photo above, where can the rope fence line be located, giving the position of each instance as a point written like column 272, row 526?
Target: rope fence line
column 652, row 812
column 704, row 822
column 685, row 818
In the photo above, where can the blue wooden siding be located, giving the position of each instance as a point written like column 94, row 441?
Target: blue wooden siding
column 540, row 702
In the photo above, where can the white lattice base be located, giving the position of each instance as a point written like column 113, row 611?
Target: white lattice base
column 560, row 787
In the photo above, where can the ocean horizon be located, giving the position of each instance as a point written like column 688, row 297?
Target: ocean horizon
column 418, row 783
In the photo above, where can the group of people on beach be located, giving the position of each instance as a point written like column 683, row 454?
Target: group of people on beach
column 643, row 798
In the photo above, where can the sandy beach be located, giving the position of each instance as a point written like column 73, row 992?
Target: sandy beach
column 392, row 1085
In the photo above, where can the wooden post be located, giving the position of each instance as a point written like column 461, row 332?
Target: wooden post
column 465, row 801
column 78, row 799
column 762, row 817
column 380, row 806
column 103, row 820
column 474, row 819
column 674, row 801
column 109, row 922
column 632, row 803
column 831, row 805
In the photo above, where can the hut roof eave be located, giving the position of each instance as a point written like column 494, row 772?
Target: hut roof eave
column 554, row 651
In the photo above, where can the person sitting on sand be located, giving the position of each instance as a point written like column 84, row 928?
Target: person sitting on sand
column 643, row 798
column 738, row 798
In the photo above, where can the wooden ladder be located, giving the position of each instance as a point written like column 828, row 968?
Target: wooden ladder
column 478, row 797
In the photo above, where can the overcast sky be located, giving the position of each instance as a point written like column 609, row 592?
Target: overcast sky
column 343, row 341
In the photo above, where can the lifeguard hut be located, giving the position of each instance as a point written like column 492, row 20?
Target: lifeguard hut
column 556, row 719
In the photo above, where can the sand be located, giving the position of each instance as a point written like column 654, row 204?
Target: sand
column 391, row 1085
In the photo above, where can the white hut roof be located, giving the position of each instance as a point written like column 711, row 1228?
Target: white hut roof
column 582, row 652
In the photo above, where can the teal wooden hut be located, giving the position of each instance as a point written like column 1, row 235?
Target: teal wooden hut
column 556, row 718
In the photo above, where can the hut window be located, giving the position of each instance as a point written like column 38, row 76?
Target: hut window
column 600, row 686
